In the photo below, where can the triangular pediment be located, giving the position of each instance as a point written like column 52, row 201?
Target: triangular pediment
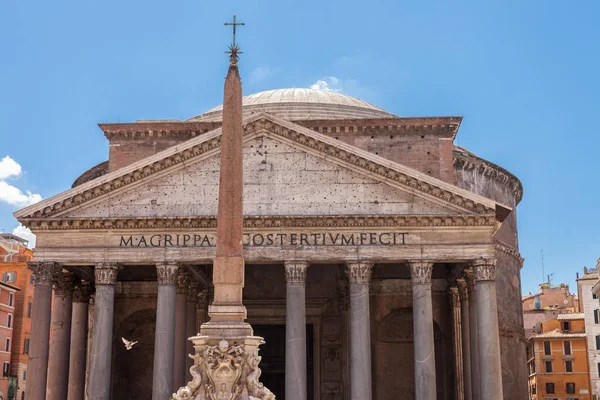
column 289, row 170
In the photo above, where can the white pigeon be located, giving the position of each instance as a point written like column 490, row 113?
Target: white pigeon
column 128, row 344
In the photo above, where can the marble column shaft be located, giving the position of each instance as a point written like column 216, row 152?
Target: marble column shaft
column 425, row 384
column 164, row 348
column 487, row 329
column 40, row 329
column 458, row 353
column 359, row 278
column 472, row 304
column 180, row 344
column 102, row 335
column 79, row 343
column 466, row 337
column 191, row 330
column 295, row 330
column 60, row 337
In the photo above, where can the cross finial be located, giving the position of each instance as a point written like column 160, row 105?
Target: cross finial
column 234, row 24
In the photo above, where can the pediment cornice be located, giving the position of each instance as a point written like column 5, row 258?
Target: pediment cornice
column 208, row 144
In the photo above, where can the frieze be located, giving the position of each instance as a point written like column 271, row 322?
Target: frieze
column 43, row 272
column 209, row 143
column 359, row 272
column 210, row 222
column 485, row 270
column 167, row 273
column 295, row 272
column 106, row 273
column 420, row 272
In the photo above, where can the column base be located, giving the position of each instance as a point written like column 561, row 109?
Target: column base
column 225, row 367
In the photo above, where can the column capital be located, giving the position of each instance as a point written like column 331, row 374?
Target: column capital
column 202, row 299
column 420, row 272
column 469, row 277
column 43, row 272
column 105, row 273
column 167, row 273
column 454, row 296
column 191, row 291
column 359, row 272
column 463, row 290
column 295, row 272
column 485, row 269
column 183, row 279
column 63, row 283
column 82, row 293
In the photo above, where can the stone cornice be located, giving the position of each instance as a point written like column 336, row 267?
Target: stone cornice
column 208, row 144
column 157, row 129
column 265, row 222
column 510, row 251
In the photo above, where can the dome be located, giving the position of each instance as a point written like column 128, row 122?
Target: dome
column 300, row 104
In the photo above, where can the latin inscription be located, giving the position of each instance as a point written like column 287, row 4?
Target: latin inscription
column 269, row 239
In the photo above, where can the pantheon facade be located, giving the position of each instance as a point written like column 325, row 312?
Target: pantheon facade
column 397, row 248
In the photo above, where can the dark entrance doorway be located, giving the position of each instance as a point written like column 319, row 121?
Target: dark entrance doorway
column 273, row 358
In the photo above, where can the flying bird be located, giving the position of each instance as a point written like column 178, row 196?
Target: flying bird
column 128, row 344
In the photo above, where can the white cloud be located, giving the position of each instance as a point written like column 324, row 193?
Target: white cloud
column 329, row 83
column 25, row 233
column 9, row 167
column 15, row 197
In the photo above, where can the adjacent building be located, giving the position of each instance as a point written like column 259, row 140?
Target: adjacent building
column 590, row 307
column 14, row 255
column 558, row 363
column 546, row 305
column 7, row 323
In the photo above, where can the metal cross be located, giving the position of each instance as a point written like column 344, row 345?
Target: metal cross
column 234, row 24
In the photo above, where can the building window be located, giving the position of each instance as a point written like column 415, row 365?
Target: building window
column 550, row 388
column 26, row 346
column 29, row 305
column 548, row 348
column 569, row 366
column 7, row 348
column 597, row 342
column 9, row 320
column 566, row 325
column 548, row 366
column 533, row 389
column 567, row 346
column 596, row 316
column 25, row 375
column 5, row 369
column 11, row 299
column 599, row 370
column 9, row 277
column 594, row 296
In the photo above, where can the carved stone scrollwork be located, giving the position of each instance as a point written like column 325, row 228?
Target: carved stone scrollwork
column 255, row 387
column 167, row 273
column 82, row 293
column 470, row 280
column 454, row 296
column 420, row 272
column 359, row 272
column 63, row 284
column 463, row 290
column 224, row 368
column 295, row 272
column 183, row 279
column 485, row 270
column 105, row 273
column 43, row 272
column 187, row 392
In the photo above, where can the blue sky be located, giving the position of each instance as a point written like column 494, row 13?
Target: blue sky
column 524, row 74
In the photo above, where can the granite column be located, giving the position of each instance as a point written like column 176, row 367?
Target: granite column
column 42, row 273
column 425, row 384
column 466, row 337
column 295, row 330
column 79, row 342
column 164, row 348
column 457, row 336
column 472, row 304
column 190, row 321
column 105, row 275
column 60, row 337
column 180, row 355
column 359, row 278
column 487, row 329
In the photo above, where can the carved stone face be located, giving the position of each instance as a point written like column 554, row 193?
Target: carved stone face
column 223, row 346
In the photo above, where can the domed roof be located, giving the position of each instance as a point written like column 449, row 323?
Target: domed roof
column 299, row 104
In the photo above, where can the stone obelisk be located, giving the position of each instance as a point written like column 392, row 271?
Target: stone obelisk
column 226, row 352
